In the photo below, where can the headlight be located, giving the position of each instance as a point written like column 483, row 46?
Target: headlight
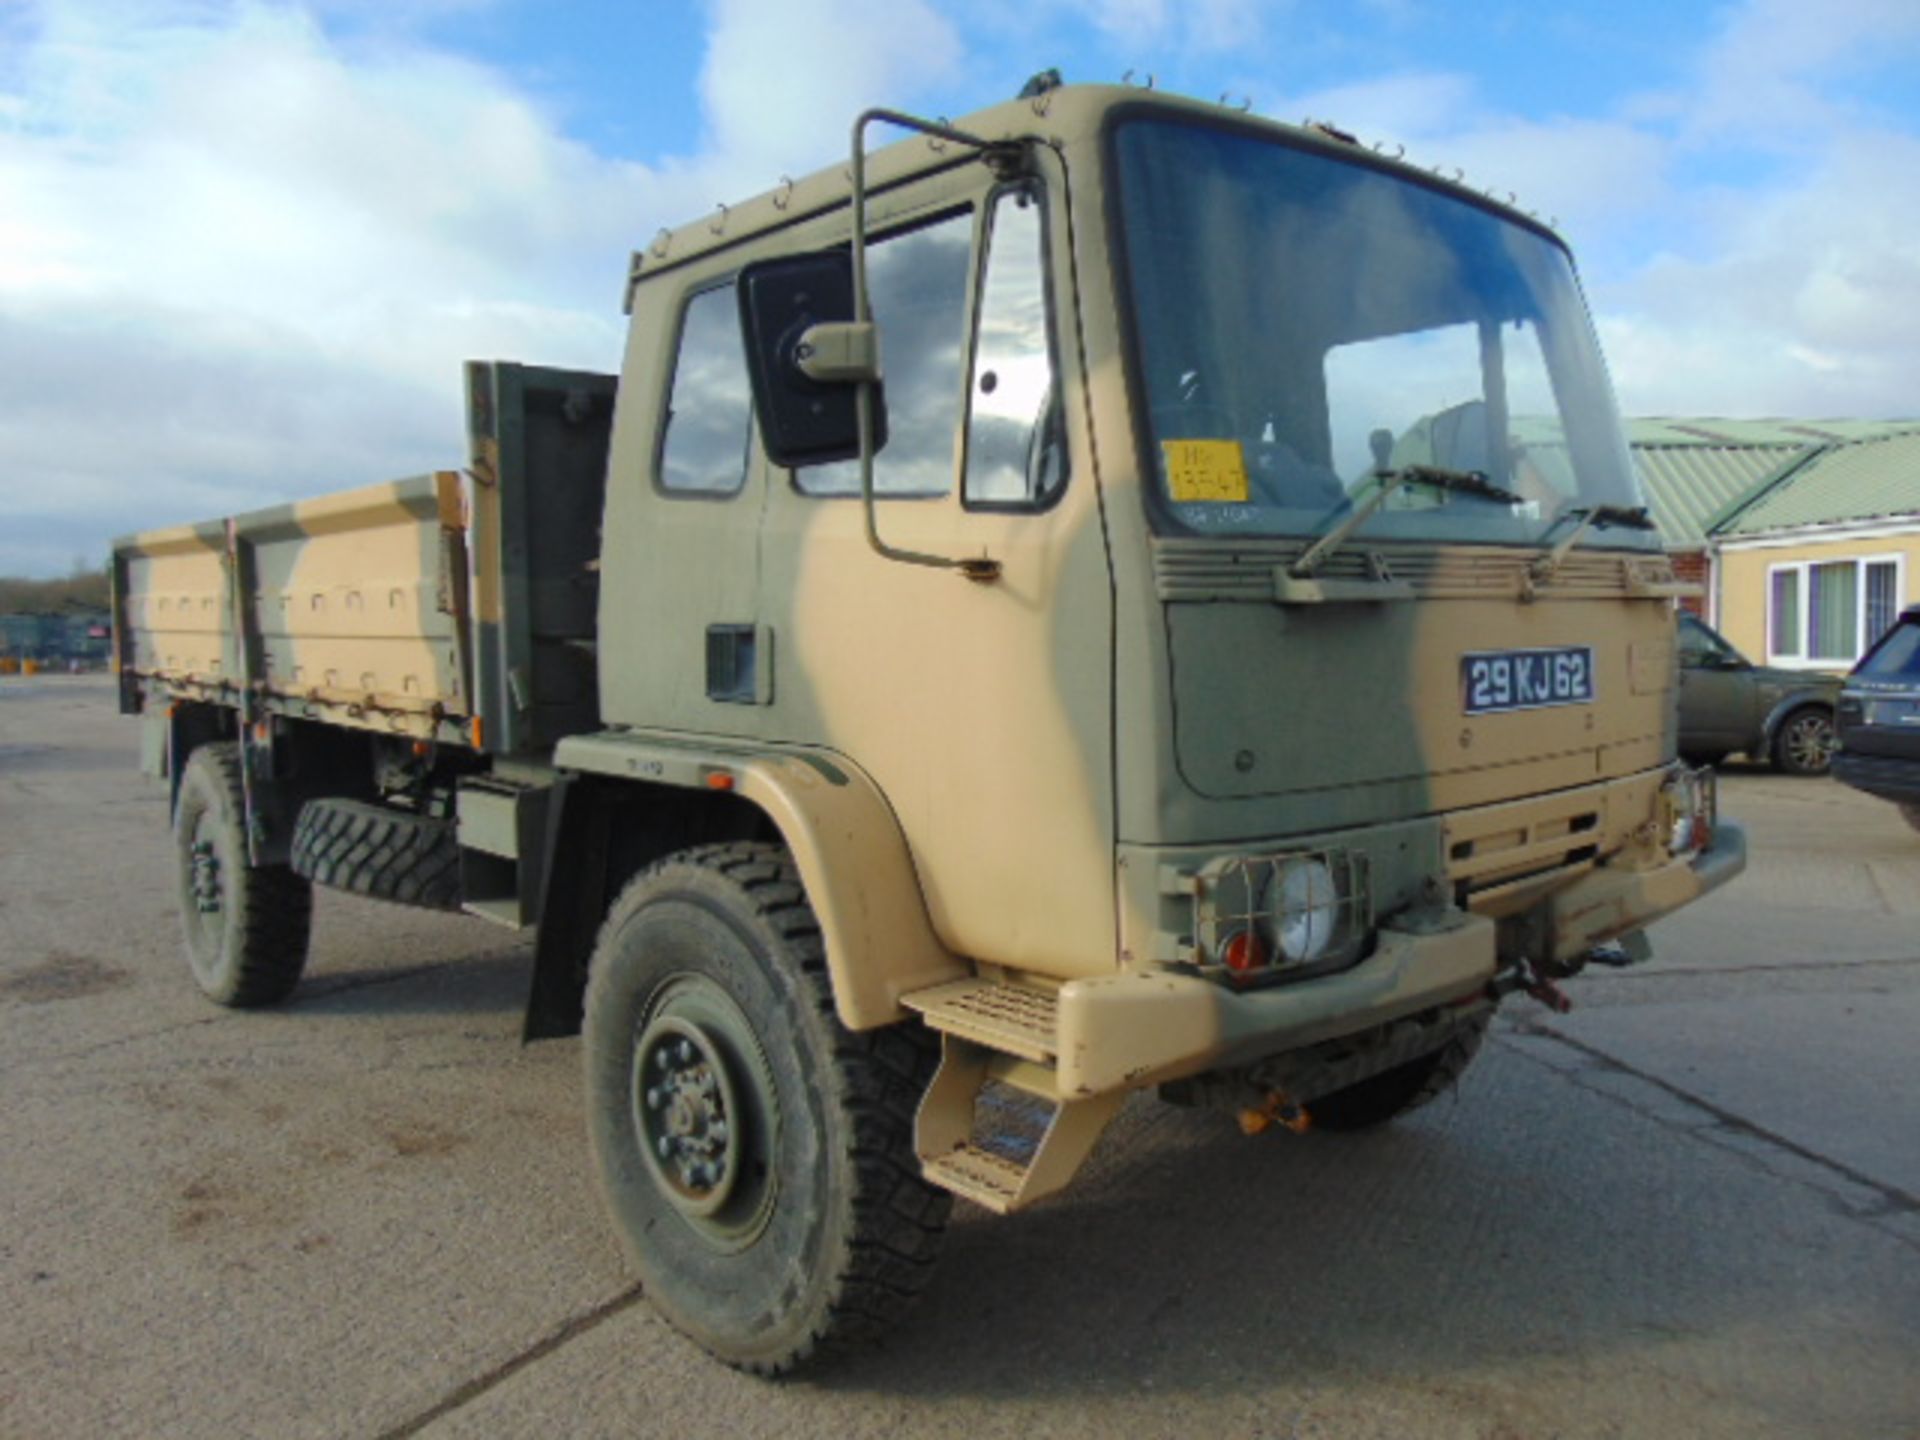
column 1262, row 916
column 1687, row 798
column 1305, row 905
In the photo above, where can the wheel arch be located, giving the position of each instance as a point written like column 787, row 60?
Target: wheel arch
column 624, row 801
column 1795, row 701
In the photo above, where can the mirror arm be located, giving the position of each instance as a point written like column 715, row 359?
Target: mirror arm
column 981, row 568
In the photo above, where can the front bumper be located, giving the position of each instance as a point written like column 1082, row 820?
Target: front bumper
column 1128, row 1031
column 1890, row 777
column 1607, row 903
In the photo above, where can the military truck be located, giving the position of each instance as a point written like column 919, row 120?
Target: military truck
column 1053, row 609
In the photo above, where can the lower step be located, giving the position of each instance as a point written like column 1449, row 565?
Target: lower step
column 980, row 1176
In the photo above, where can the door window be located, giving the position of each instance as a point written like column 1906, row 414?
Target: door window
column 709, row 415
column 1015, row 454
column 917, row 285
column 1699, row 646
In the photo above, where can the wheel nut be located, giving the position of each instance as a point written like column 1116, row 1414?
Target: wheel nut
column 664, row 1147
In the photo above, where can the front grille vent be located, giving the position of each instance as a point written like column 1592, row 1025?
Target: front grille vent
column 1190, row 569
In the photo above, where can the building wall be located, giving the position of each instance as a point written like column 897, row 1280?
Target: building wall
column 1748, row 586
column 1694, row 568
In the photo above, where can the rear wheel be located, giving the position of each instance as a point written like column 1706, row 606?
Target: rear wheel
column 246, row 926
column 757, row 1156
column 1404, row 1088
column 1803, row 745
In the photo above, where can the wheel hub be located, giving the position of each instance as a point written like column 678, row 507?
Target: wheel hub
column 205, row 882
column 687, row 1113
column 1810, row 741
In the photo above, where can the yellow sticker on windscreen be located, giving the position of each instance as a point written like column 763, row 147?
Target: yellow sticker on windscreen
column 1210, row 471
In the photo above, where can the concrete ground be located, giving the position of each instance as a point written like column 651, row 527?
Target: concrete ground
column 1690, row 1208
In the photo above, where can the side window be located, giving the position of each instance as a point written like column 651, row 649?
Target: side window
column 1015, row 450
column 708, row 414
column 917, row 281
column 1696, row 645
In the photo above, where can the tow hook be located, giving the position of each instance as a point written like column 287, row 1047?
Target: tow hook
column 1525, row 978
column 1276, row 1109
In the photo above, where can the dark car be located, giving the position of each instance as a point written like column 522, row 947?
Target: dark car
column 1729, row 704
column 1880, row 719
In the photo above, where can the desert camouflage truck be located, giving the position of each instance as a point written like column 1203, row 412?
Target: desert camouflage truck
column 1113, row 595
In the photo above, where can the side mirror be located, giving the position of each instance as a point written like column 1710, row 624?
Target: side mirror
column 806, row 358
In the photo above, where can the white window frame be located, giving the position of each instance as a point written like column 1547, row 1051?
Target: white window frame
column 1800, row 570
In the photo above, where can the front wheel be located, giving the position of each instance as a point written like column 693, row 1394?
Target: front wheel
column 757, row 1156
column 1804, row 743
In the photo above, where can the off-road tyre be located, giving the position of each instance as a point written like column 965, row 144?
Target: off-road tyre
column 826, row 1232
column 246, row 926
column 378, row 851
column 1403, row 1089
column 1803, row 745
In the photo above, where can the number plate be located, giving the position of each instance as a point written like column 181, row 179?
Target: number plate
column 1893, row 712
column 1497, row 680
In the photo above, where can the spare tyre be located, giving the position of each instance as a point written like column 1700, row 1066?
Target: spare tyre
column 378, row 851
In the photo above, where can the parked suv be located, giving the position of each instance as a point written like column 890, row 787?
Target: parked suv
column 1880, row 719
column 1729, row 704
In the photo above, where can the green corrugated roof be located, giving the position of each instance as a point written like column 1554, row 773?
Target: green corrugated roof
column 1689, row 486
column 1662, row 430
column 1865, row 480
column 1700, row 474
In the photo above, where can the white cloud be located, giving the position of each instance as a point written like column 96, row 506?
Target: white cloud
column 240, row 261
column 1768, row 76
column 1191, row 26
column 1802, row 304
column 784, row 79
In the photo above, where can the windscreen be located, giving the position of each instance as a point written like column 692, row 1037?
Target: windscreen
column 1304, row 323
column 1897, row 656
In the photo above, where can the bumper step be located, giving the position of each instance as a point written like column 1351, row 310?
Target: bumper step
column 1012, row 1019
column 1006, row 1035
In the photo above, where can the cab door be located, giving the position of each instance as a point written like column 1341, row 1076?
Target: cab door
column 683, row 640
column 982, row 708
column 1719, row 704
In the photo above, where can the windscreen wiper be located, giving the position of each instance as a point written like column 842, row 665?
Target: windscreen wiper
column 1460, row 482
column 1634, row 517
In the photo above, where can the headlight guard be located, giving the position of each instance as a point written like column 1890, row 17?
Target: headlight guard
column 1267, row 918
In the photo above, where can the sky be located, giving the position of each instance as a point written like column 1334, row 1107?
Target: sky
column 245, row 247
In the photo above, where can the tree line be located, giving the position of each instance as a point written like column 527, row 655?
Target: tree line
column 82, row 590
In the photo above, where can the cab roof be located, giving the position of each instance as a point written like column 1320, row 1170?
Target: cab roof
column 1055, row 117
